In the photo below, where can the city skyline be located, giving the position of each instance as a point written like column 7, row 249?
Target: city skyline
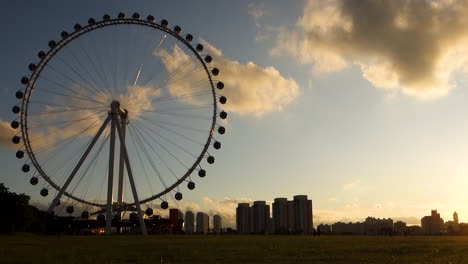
column 360, row 129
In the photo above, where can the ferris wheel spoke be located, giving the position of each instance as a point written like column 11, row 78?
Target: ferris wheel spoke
column 81, row 95
column 95, row 65
column 172, row 131
column 77, row 167
column 180, row 115
column 55, row 130
column 60, row 143
column 157, row 120
column 80, row 98
column 92, row 163
column 178, row 76
column 138, row 138
column 97, row 114
column 159, row 69
column 98, row 65
column 182, row 108
column 178, row 97
column 166, row 139
column 93, row 88
column 160, row 145
column 142, row 146
column 74, row 107
column 92, row 82
column 89, row 89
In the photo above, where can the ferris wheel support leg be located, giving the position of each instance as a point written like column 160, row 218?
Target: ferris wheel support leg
column 78, row 165
column 130, row 177
column 111, row 176
column 121, row 167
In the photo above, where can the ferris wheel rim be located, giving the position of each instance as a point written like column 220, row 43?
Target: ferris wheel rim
column 28, row 90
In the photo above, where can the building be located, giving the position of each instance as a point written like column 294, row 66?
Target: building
column 302, row 215
column 348, row 228
column 324, row 229
column 203, row 223
column 377, row 226
column 455, row 218
column 243, row 218
column 260, row 217
column 217, row 224
column 181, row 215
column 291, row 226
column 189, row 222
column 399, row 228
column 288, row 216
column 281, row 216
column 433, row 224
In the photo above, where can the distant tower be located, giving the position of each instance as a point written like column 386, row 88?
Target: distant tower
column 302, row 214
column 217, row 224
column 455, row 218
column 189, row 222
column 243, row 218
column 280, row 215
column 261, row 214
column 203, row 223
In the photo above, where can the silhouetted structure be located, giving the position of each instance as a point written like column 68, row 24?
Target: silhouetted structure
column 280, row 216
column 203, row 223
column 217, row 224
column 303, row 220
column 399, row 228
column 260, row 217
column 377, row 226
column 433, row 224
column 371, row 226
column 324, row 229
column 288, row 217
column 243, row 218
column 455, row 218
column 189, row 222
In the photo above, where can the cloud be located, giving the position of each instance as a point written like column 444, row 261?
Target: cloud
column 413, row 47
column 249, row 88
column 411, row 220
column 6, row 134
column 351, row 185
column 258, row 12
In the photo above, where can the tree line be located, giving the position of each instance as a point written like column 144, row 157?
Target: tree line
column 17, row 214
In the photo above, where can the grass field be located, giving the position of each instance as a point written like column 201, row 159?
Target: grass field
column 27, row 248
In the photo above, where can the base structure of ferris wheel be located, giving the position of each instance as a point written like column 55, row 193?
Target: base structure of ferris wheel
column 117, row 118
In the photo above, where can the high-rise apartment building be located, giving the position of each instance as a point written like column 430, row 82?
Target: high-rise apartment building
column 243, row 218
column 217, row 224
column 288, row 216
column 455, row 218
column 302, row 215
column 280, row 215
column 189, row 222
column 432, row 225
column 261, row 216
column 203, row 223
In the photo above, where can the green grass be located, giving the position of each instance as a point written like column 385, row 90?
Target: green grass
column 27, row 248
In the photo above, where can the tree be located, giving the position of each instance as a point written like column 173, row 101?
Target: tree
column 17, row 214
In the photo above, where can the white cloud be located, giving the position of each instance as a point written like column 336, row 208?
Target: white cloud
column 6, row 134
column 410, row 46
column 351, row 185
column 249, row 88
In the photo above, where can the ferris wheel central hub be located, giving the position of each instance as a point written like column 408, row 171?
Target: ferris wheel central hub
column 116, row 109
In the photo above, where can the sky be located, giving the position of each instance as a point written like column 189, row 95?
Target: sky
column 361, row 105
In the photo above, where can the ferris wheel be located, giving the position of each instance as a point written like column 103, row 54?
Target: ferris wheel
column 122, row 104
